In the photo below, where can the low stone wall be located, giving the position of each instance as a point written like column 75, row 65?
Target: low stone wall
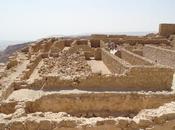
column 149, row 119
column 31, row 66
column 133, row 41
column 97, row 54
column 46, row 47
column 57, row 47
column 117, row 36
column 68, row 42
column 151, row 77
column 81, row 42
column 160, row 55
column 98, row 104
column 99, row 36
column 83, row 45
column 114, row 64
column 134, row 59
column 95, row 43
column 137, row 78
column 33, row 48
column 138, row 52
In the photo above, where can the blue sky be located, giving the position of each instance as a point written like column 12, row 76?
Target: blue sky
column 33, row 19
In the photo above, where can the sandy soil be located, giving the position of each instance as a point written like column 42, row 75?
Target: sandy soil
column 35, row 73
column 29, row 94
column 98, row 66
column 18, row 70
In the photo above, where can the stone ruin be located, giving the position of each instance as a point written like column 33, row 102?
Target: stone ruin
column 100, row 82
column 166, row 29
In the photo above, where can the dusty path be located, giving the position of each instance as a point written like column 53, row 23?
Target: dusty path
column 7, row 81
column 13, row 75
column 98, row 66
column 35, row 73
column 29, row 94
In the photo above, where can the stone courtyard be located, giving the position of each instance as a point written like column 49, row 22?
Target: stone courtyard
column 98, row 82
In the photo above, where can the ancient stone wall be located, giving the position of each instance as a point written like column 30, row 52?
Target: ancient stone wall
column 115, row 64
column 68, row 42
column 97, row 104
column 97, row 54
column 35, row 47
column 83, row 45
column 45, row 47
column 155, row 77
column 57, row 47
column 31, row 66
column 117, row 36
column 99, row 36
column 159, row 55
column 95, row 43
column 62, row 92
column 133, row 41
column 81, row 42
column 137, row 78
column 134, row 59
column 166, row 29
column 137, row 51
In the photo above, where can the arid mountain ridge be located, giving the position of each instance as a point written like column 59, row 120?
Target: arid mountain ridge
column 4, row 54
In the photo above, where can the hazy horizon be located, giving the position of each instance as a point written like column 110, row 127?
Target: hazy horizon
column 30, row 20
column 82, row 34
column 6, row 43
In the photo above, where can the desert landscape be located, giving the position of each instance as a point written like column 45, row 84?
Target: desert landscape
column 97, row 82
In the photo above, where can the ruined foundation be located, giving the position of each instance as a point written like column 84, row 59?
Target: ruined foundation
column 102, row 82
